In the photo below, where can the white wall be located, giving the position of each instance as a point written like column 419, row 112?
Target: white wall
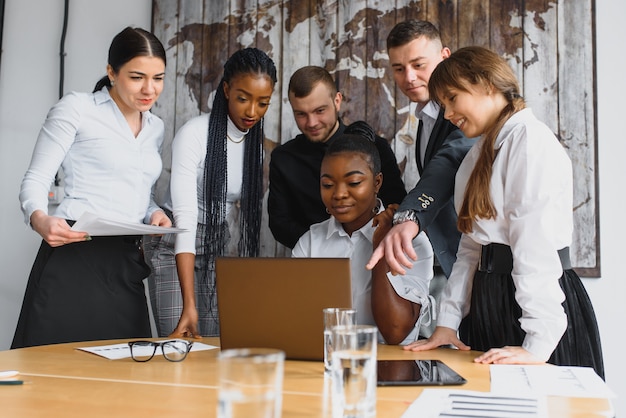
column 609, row 292
column 29, row 86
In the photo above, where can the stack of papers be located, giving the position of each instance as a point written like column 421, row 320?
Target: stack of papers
column 97, row 226
column 434, row 403
column 516, row 391
column 570, row 381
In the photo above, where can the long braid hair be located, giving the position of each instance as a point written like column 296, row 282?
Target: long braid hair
column 245, row 61
column 476, row 65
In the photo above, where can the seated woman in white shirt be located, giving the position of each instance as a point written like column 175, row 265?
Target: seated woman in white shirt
column 512, row 291
column 216, row 190
column 349, row 182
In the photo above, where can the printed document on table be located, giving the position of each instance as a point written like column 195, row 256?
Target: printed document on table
column 122, row 350
column 98, row 226
column 435, row 403
column 550, row 380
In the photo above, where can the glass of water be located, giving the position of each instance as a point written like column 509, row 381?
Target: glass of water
column 334, row 317
column 353, row 371
column 250, row 383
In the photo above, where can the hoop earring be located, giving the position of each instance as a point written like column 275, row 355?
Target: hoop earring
column 376, row 208
column 327, row 211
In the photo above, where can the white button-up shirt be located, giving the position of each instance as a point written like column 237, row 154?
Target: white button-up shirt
column 532, row 191
column 107, row 170
column 428, row 115
column 329, row 239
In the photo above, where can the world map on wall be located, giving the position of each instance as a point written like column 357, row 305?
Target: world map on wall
column 547, row 46
column 355, row 53
column 352, row 66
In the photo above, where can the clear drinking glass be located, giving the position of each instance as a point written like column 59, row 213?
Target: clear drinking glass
column 354, row 371
column 334, row 317
column 250, row 383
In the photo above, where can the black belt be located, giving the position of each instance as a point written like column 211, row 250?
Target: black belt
column 498, row 258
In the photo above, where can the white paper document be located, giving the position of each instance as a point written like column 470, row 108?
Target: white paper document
column 122, row 350
column 97, row 226
column 435, row 403
column 571, row 381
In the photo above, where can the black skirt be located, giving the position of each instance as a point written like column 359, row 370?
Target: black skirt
column 85, row 291
column 493, row 320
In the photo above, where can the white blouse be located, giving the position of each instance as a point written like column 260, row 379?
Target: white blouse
column 107, row 170
column 532, row 191
column 329, row 239
column 187, row 180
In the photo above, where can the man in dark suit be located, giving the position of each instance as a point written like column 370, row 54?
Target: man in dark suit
column 415, row 49
column 294, row 201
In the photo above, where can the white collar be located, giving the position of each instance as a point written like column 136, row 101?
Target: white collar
column 430, row 109
column 367, row 230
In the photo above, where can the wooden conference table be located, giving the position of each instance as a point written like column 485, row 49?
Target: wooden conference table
column 64, row 382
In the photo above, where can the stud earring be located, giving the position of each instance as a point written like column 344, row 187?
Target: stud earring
column 112, row 82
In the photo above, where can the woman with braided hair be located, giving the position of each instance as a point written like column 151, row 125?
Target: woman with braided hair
column 512, row 292
column 216, row 195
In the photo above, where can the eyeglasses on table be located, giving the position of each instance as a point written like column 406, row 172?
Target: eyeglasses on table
column 173, row 350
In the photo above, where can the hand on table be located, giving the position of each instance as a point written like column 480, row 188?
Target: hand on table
column 187, row 325
column 507, row 355
column 441, row 336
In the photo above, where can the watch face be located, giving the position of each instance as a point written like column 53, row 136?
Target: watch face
column 405, row 215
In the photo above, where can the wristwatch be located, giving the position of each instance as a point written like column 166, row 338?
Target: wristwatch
column 404, row 216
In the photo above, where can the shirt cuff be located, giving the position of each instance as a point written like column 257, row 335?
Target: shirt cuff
column 447, row 320
column 540, row 349
column 410, row 288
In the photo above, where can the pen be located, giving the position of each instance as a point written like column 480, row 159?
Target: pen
column 11, row 382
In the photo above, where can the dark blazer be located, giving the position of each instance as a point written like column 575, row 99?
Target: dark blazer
column 433, row 196
column 294, row 201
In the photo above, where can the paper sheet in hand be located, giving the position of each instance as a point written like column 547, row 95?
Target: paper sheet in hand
column 97, row 226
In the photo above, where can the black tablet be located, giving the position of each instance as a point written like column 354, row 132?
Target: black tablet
column 416, row 373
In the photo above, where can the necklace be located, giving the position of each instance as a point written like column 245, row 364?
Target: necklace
column 235, row 142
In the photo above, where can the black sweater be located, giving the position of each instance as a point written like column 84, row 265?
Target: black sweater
column 294, row 202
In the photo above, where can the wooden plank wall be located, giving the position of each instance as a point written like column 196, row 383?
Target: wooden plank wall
column 549, row 44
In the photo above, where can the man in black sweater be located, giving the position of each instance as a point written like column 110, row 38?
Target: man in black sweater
column 294, row 201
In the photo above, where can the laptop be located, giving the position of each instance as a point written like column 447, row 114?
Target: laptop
column 278, row 302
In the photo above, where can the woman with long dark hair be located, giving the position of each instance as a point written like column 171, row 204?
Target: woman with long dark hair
column 216, row 191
